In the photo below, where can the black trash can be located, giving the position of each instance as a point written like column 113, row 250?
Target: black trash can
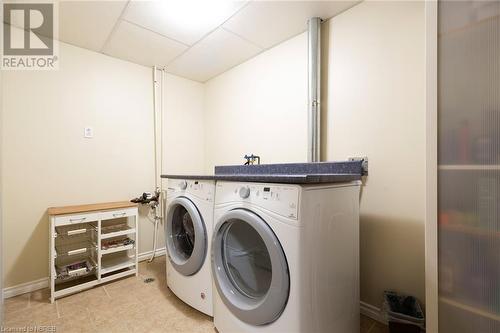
column 403, row 313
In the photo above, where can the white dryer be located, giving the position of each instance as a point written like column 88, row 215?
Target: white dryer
column 285, row 258
column 188, row 234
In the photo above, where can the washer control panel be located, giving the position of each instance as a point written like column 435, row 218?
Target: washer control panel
column 244, row 192
column 279, row 199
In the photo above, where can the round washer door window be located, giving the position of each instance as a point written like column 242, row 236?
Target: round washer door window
column 186, row 236
column 250, row 268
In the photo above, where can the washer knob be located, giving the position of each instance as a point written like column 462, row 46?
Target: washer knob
column 244, row 192
column 183, row 185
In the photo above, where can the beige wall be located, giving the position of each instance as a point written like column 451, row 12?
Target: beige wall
column 184, row 130
column 1, row 204
column 47, row 162
column 373, row 105
column 259, row 107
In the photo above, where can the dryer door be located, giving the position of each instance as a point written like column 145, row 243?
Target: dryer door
column 186, row 236
column 249, row 268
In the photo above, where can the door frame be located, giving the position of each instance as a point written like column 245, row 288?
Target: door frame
column 431, row 164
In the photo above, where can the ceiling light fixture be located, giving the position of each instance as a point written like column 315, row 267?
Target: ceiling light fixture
column 198, row 16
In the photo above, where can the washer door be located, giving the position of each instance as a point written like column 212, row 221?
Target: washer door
column 249, row 268
column 186, row 236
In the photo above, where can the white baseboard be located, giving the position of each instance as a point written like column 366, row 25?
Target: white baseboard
column 24, row 288
column 146, row 255
column 28, row 287
column 372, row 312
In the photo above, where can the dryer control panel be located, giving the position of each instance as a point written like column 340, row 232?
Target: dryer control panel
column 203, row 189
column 279, row 199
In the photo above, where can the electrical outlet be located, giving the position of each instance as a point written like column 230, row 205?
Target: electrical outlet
column 88, row 132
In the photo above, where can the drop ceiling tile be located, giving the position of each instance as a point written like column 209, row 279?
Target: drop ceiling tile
column 216, row 53
column 136, row 44
column 184, row 21
column 88, row 23
column 268, row 23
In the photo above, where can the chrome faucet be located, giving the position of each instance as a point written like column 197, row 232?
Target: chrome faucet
column 251, row 159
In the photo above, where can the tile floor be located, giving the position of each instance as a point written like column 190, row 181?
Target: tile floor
column 127, row 305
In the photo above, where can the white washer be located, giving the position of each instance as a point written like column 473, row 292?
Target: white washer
column 285, row 258
column 188, row 234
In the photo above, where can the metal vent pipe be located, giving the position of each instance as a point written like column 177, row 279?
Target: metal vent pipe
column 314, row 87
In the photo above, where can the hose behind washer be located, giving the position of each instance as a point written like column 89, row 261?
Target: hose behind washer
column 155, row 235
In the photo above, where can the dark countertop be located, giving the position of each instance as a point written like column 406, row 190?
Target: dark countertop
column 197, row 177
column 281, row 179
column 347, row 167
column 291, row 179
column 287, row 173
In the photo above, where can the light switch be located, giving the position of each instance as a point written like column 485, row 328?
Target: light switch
column 88, row 132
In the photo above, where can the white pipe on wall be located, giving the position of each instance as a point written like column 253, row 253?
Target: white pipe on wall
column 156, row 124
column 158, row 151
column 314, row 85
column 162, row 94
